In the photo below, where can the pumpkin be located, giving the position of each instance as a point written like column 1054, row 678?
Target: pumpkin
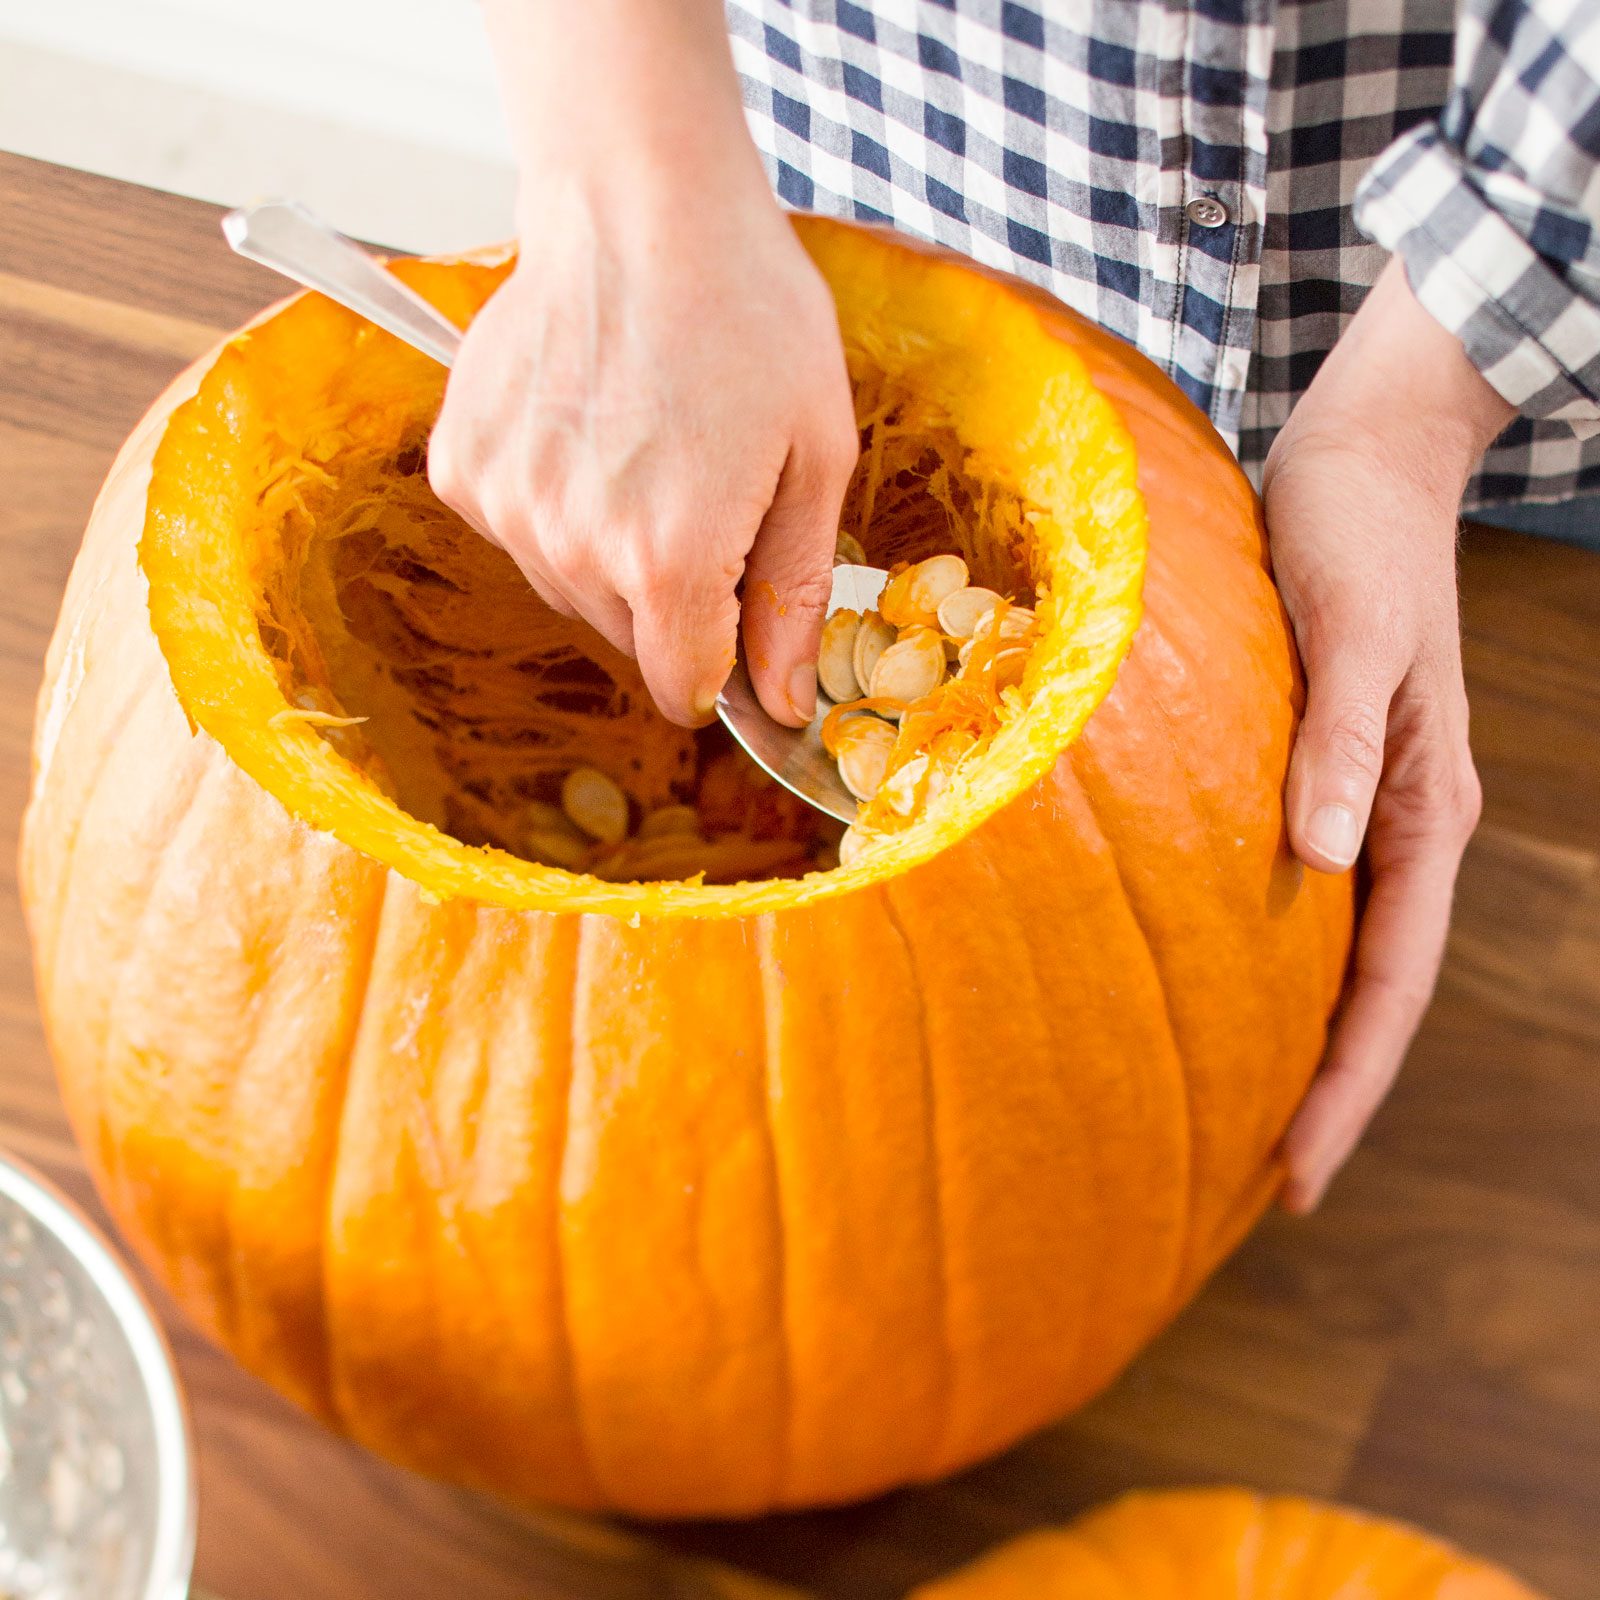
column 680, row 1197
column 1226, row 1544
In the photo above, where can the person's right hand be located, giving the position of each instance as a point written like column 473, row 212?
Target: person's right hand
column 652, row 408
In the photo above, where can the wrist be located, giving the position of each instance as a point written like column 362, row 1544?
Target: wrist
column 628, row 102
column 1400, row 385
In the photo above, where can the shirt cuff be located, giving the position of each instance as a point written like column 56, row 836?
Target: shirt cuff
column 1533, row 336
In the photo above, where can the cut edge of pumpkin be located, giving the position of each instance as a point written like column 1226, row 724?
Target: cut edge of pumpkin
column 1023, row 404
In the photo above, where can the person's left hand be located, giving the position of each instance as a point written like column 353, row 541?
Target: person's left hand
column 1362, row 492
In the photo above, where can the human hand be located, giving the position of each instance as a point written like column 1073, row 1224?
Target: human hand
column 654, row 406
column 1362, row 492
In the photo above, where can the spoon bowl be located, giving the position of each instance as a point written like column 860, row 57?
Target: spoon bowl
column 794, row 756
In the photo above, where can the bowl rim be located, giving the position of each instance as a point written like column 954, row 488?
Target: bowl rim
column 173, row 1537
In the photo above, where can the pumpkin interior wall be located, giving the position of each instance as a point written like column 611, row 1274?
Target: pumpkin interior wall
column 477, row 698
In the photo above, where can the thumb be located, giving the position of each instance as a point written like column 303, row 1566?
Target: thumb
column 788, row 579
column 1338, row 752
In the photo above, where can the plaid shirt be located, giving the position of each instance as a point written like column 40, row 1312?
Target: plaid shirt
column 1220, row 181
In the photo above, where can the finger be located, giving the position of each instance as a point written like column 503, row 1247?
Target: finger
column 789, row 578
column 455, row 482
column 684, row 627
column 541, row 579
column 588, row 595
column 1338, row 752
column 452, row 484
column 1398, row 952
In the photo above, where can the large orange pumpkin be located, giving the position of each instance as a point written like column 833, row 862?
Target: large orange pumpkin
column 670, row 1197
column 1226, row 1544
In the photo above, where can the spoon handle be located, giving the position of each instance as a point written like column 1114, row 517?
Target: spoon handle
column 283, row 235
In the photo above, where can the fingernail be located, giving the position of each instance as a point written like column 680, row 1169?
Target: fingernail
column 803, row 690
column 1334, row 834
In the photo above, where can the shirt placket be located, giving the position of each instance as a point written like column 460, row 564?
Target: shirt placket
column 1212, row 63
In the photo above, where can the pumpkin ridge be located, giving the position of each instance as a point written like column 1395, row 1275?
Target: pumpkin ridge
column 1183, row 1255
column 236, row 1266
column 947, row 1389
column 1253, row 1549
column 163, row 856
column 770, row 981
column 1195, row 1250
column 124, row 715
column 346, row 1056
column 1083, row 1330
column 571, row 1373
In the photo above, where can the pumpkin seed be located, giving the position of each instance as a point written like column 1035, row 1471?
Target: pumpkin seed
column 1009, row 667
column 726, row 860
column 961, row 611
column 595, row 804
column 864, row 747
column 836, row 656
column 669, row 820
column 1011, row 622
column 909, row 668
column 900, row 788
column 847, row 551
column 851, row 846
column 873, row 637
column 558, row 847
column 543, row 816
column 913, row 598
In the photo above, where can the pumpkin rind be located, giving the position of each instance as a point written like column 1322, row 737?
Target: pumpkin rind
column 1226, row 1544
column 681, row 1214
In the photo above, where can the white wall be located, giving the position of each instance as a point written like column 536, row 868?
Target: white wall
column 383, row 116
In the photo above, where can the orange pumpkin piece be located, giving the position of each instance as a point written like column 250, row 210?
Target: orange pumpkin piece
column 1226, row 1544
column 673, row 1197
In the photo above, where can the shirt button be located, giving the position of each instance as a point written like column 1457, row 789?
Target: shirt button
column 1206, row 211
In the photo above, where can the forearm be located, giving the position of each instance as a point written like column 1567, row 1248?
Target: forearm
column 623, row 92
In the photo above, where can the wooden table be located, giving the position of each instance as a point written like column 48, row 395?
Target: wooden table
column 1428, row 1346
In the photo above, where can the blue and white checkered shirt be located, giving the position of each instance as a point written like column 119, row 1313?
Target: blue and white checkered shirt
column 1220, row 181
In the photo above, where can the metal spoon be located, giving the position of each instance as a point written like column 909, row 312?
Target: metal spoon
column 794, row 756
column 284, row 235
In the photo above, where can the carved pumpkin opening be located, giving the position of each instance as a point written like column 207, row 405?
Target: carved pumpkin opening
column 391, row 676
column 419, row 652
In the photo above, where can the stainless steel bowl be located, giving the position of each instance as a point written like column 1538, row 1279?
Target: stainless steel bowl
column 97, row 1498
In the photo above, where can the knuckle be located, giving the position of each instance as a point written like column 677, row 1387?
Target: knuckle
column 843, row 448
column 1467, row 802
column 809, row 590
column 649, row 577
column 1410, row 995
column 565, row 553
column 1356, row 737
column 446, row 475
column 1446, row 797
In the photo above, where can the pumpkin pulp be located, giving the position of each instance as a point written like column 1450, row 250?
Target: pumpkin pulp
column 303, row 576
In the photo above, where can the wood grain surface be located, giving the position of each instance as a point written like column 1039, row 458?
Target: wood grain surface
column 1428, row 1346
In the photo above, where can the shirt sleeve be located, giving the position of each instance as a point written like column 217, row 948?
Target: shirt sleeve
column 1495, row 208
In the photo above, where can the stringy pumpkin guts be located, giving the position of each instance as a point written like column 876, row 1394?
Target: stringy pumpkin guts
column 419, row 652
column 949, row 686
